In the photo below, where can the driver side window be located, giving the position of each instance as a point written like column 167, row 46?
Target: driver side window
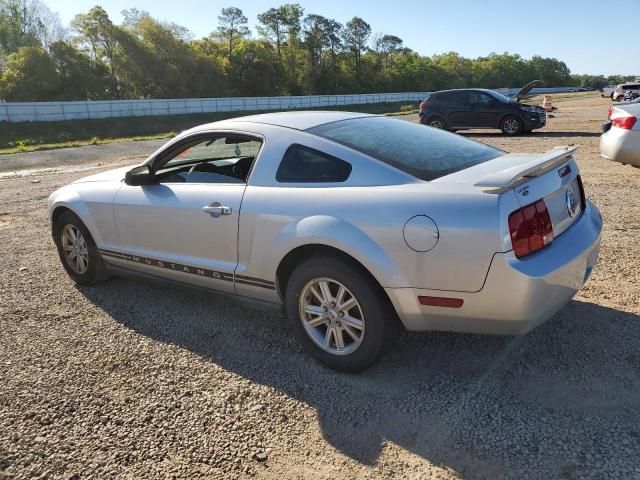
column 209, row 159
column 480, row 99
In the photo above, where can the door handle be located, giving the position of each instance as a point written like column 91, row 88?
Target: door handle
column 215, row 209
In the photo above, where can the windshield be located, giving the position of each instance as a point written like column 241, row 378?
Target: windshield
column 424, row 152
column 499, row 96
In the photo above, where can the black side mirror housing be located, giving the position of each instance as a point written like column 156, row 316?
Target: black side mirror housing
column 139, row 176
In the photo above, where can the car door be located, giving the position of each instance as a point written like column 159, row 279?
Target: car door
column 184, row 225
column 457, row 104
column 484, row 110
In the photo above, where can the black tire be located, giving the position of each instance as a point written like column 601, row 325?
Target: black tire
column 381, row 324
column 95, row 269
column 511, row 126
column 437, row 122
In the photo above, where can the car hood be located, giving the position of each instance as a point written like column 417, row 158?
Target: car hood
column 524, row 91
column 115, row 175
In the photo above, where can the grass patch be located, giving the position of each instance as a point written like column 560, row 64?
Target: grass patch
column 33, row 136
column 80, row 143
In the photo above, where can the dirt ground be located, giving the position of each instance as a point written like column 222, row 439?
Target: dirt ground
column 134, row 380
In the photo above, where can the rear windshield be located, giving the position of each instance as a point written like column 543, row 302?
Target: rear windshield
column 424, row 152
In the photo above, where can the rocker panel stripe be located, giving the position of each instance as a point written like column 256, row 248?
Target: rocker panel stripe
column 179, row 267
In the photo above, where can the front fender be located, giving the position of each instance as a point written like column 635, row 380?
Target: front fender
column 93, row 204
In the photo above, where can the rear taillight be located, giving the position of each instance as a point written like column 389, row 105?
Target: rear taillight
column 530, row 228
column 422, row 105
column 624, row 122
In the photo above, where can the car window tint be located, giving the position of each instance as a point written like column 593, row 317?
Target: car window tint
column 302, row 164
column 426, row 153
column 479, row 98
column 208, row 159
column 215, row 149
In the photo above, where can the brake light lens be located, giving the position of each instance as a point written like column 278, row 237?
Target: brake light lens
column 624, row 122
column 530, row 229
column 422, row 105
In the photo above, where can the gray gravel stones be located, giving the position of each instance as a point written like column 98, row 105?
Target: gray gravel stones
column 133, row 380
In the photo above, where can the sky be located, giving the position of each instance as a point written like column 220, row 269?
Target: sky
column 588, row 35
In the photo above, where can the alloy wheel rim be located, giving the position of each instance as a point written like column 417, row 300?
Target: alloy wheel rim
column 75, row 249
column 332, row 316
column 511, row 126
column 436, row 124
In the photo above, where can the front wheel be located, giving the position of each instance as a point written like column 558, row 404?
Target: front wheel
column 341, row 317
column 512, row 126
column 77, row 250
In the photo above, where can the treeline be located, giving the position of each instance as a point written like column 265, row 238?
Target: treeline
column 292, row 53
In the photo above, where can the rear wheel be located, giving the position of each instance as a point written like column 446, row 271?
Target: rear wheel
column 77, row 250
column 437, row 122
column 511, row 126
column 341, row 317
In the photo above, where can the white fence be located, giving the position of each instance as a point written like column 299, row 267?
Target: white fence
column 48, row 111
column 51, row 111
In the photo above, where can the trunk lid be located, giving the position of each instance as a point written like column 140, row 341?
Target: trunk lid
column 553, row 177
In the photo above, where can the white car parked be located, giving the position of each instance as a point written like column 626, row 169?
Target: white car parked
column 607, row 91
column 618, row 93
column 621, row 140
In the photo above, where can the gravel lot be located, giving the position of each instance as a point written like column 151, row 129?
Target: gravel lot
column 135, row 380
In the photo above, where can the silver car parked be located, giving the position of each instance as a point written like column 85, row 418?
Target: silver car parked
column 357, row 225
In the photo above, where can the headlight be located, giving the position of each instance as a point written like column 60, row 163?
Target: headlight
column 528, row 109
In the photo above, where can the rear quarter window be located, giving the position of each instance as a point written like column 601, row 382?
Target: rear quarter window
column 424, row 152
column 302, row 164
column 457, row 98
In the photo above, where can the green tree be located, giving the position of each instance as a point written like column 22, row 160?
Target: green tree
column 458, row 70
column 99, row 35
column 273, row 28
column 355, row 36
column 384, row 45
column 29, row 75
column 550, row 70
column 316, row 41
column 27, row 23
column 79, row 78
column 252, row 71
column 233, row 27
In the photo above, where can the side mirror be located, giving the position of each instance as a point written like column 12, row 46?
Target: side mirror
column 139, row 176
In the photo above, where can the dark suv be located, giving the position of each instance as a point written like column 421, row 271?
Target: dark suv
column 469, row 108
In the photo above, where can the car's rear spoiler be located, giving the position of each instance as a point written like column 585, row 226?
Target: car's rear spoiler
column 510, row 177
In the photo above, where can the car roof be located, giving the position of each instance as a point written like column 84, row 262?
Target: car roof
column 298, row 120
column 456, row 90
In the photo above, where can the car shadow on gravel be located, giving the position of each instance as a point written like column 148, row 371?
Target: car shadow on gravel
column 561, row 401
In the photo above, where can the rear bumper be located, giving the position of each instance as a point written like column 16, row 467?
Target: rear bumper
column 620, row 145
column 518, row 295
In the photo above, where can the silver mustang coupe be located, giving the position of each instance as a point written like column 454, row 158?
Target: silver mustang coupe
column 356, row 225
